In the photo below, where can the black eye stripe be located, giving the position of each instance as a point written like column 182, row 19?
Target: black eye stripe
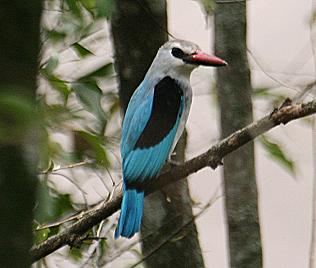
column 177, row 52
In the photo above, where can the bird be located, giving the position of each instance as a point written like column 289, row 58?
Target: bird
column 153, row 123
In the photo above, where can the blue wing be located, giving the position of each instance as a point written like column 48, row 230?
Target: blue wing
column 149, row 129
column 136, row 117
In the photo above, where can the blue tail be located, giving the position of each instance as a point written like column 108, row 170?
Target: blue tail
column 131, row 213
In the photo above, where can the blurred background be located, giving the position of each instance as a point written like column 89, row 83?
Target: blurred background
column 93, row 55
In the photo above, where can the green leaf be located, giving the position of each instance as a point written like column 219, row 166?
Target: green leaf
column 88, row 4
column 74, row 7
column 208, row 5
column 261, row 92
column 76, row 250
column 91, row 145
column 76, row 253
column 267, row 93
column 104, row 8
column 41, row 235
column 51, row 204
column 103, row 246
column 55, row 36
column 56, row 83
column 61, row 86
column 52, row 64
column 44, row 210
column 50, row 167
column 63, row 204
column 115, row 107
column 276, row 152
column 102, row 72
column 90, row 96
column 57, row 114
column 81, row 50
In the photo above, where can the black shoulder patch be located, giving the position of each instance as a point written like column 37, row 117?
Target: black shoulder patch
column 165, row 109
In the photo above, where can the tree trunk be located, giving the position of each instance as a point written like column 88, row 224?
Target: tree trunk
column 139, row 28
column 166, row 241
column 234, row 94
column 19, row 46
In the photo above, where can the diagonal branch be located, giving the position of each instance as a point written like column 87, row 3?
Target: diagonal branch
column 211, row 158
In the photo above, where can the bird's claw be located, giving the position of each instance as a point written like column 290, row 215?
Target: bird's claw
column 174, row 162
column 215, row 162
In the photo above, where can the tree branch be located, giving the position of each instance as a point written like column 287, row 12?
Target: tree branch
column 211, row 158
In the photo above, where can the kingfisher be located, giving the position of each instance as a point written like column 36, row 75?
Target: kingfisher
column 154, row 121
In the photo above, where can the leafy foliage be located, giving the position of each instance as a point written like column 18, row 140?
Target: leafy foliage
column 273, row 97
column 81, row 50
column 276, row 152
column 104, row 8
column 75, row 110
column 51, row 204
column 208, row 6
column 90, row 96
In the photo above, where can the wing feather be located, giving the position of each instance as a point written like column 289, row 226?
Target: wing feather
column 149, row 130
column 136, row 118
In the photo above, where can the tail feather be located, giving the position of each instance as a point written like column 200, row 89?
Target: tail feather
column 131, row 213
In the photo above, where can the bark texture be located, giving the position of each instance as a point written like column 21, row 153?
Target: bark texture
column 234, row 95
column 211, row 158
column 166, row 213
column 139, row 28
column 19, row 48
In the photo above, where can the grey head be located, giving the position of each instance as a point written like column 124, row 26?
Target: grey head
column 180, row 58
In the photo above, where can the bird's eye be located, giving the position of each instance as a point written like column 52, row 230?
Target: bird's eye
column 177, row 52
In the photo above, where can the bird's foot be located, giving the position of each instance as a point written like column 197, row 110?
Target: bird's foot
column 174, row 162
column 170, row 163
column 214, row 162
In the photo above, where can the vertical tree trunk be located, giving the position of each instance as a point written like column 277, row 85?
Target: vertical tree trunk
column 139, row 28
column 19, row 46
column 165, row 239
column 234, row 93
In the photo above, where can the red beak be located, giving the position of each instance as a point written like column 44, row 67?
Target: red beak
column 200, row 58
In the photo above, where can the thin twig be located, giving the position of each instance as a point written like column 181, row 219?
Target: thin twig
column 83, row 193
column 96, row 238
column 112, row 180
column 131, row 245
column 57, row 168
column 93, row 248
column 128, row 247
column 58, row 223
column 211, row 158
column 213, row 199
column 281, row 83
column 45, row 61
column 302, row 94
